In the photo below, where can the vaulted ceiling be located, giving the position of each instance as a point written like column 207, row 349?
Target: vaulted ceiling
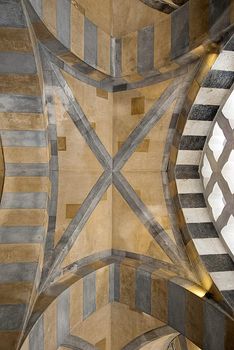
column 107, row 239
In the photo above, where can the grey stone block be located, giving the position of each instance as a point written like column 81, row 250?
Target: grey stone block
column 63, row 21
column 116, row 57
column 219, row 79
column 24, row 200
column 11, row 317
column 180, row 31
column 90, row 42
column 120, row 87
column 192, row 200
column 17, row 103
column 63, row 310
column 190, row 142
column 51, row 224
column 23, row 138
column 53, row 164
column 22, row 272
column 56, row 47
column 202, row 230
column 53, row 207
column 214, row 325
column 89, row 294
column 145, row 49
column 11, row 14
column 22, row 234
column 143, row 291
column 83, row 67
column 36, row 336
column 203, row 112
column 26, row 169
column 114, row 283
column 176, row 307
column 54, row 148
column 218, row 262
column 52, row 132
column 17, row 63
column 187, row 172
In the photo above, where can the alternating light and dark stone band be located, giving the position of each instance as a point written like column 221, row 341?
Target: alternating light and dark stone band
column 198, row 228
column 165, row 297
column 24, row 202
column 90, row 50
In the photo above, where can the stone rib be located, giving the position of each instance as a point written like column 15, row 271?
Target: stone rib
column 76, row 226
column 77, row 343
column 82, row 123
column 160, row 5
column 46, row 76
column 146, row 217
column 148, row 337
column 146, row 124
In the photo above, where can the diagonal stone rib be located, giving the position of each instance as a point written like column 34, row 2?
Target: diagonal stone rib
column 80, row 120
column 75, row 227
column 91, row 138
column 68, row 346
column 52, row 137
column 146, row 217
column 77, row 343
column 183, row 343
column 161, row 5
column 117, row 255
column 148, row 337
column 147, row 123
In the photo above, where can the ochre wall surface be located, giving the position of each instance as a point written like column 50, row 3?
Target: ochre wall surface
column 95, row 252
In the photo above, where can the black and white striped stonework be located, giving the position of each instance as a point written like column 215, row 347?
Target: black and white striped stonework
column 212, row 94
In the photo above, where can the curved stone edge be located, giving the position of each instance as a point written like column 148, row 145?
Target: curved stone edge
column 183, row 304
column 220, row 66
column 26, row 189
column 179, row 48
column 202, row 242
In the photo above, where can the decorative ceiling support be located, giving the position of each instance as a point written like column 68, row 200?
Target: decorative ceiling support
column 151, row 336
column 183, row 304
column 166, row 6
column 161, row 5
column 112, row 169
column 179, row 2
